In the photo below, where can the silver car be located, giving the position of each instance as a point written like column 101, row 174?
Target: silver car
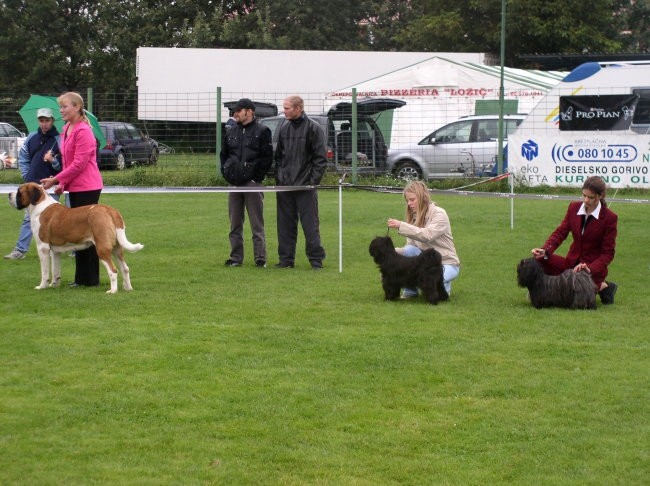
column 11, row 140
column 465, row 147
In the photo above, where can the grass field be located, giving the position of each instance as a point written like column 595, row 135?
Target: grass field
column 213, row 375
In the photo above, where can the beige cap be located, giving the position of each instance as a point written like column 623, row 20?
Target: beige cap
column 44, row 113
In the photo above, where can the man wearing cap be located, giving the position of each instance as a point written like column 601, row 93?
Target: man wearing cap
column 38, row 158
column 246, row 156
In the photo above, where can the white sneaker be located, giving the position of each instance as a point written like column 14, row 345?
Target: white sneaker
column 406, row 295
column 15, row 255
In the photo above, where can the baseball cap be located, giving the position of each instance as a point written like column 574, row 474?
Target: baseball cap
column 44, row 112
column 243, row 104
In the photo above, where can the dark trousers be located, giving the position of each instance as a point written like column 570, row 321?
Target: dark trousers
column 87, row 271
column 253, row 202
column 293, row 206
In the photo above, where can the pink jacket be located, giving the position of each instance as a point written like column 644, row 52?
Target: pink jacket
column 79, row 151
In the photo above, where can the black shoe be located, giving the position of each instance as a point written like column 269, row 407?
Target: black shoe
column 73, row 285
column 283, row 265
column 607, row 294
column 316, row 267
column 260, row 263
column 232, row 263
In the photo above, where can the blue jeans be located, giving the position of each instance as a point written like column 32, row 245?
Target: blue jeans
column 25, row 235
column 449, row 272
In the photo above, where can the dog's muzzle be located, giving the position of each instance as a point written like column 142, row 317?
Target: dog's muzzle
column 12, row 199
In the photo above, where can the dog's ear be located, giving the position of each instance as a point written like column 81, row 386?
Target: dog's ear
column 34, row 196
column 19, row 204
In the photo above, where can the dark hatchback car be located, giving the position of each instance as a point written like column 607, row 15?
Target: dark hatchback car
column 372, row 150
column 125, row 146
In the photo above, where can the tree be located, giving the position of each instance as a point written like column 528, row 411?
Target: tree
column 532, row 26
column 49, row 46
column 558, row 26
column 635, row 25
column 308, row 24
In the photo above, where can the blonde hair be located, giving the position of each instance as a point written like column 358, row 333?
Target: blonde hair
column 296, row 102
column 76, row 100
column 423, row 199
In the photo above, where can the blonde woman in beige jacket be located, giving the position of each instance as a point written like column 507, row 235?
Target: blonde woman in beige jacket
column 426, row 226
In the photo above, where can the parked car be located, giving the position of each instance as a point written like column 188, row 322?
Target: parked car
column 262, row 109
column 467, row 146
column 125, row 146
column 337, row 124
column 11, row 140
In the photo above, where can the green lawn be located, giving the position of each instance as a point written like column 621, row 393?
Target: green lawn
column 212, row 375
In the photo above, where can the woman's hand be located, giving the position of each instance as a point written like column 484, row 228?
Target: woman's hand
column 394, row 223
column 538, row 252
column 581, row 267
column 48, row 182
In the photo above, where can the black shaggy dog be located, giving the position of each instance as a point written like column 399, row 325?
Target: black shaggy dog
column 570, row 290
column 397, row 271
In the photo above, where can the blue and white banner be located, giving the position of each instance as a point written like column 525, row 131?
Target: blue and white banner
column 568, row 158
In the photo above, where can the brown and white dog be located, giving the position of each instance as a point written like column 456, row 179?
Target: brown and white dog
column 58, row 229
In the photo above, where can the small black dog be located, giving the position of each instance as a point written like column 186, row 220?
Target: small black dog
column 397, row 271
column 570, row 289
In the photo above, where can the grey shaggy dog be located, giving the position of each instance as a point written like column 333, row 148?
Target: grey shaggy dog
column 423, row 271
column 570, row 289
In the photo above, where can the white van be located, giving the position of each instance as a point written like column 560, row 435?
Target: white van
column 596, row 121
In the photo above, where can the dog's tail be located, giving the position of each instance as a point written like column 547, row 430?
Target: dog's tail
column 120, row 230
column 126, row 244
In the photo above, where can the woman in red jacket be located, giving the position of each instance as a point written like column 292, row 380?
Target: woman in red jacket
column 593, row 227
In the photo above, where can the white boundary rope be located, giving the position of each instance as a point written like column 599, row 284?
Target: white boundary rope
column 6, row 188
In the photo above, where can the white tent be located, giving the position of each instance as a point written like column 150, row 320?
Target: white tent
column 439, row 90
column 180, row 84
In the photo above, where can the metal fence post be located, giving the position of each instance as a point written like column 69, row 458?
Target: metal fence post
column 218, row 142
column 89, row 100
column 354, row 136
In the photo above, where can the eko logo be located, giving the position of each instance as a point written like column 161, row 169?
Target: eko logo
column 529, row 150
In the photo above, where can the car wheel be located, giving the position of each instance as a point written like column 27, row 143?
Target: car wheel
column 153, row 157
column 408, row 171
column 120, row 161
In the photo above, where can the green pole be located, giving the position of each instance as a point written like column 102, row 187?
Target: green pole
column 218, row 144
column 354, row 136
column 89, row 100
column 501, row 88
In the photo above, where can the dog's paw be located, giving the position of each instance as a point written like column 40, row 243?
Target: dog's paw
column 41, row 286
column 56, row 283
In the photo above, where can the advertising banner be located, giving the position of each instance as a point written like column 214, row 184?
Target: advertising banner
column 600, row 112
column 567, row 159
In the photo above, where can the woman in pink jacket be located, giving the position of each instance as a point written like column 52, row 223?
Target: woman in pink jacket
column 80, row 175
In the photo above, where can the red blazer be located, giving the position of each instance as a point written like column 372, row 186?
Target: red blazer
column 595, row 247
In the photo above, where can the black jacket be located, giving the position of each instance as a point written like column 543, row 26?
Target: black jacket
column 301, row 153
column 247, row 153
column 35, row 148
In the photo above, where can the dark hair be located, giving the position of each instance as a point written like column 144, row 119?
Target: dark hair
column 596, row 185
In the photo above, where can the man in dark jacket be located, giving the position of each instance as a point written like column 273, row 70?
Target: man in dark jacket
column 38, row 158
column 301, row 160
column 246, row 156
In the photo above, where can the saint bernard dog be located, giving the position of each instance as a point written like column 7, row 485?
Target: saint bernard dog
column 58, row 229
